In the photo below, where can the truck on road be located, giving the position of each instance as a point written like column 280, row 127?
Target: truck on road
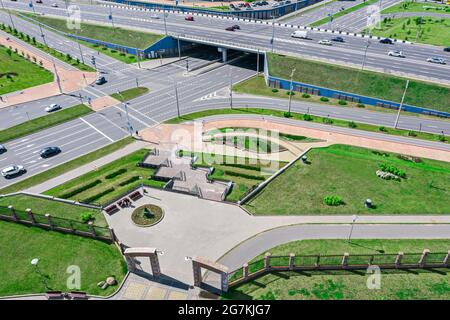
column 300, row 34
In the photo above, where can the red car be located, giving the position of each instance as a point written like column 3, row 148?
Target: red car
column 189, row 18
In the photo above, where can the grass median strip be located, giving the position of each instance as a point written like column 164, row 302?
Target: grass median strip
column 65, row 167
column 343, row 13
column 409, row 6
column 43, row 122
column 130, row 94
column 341, row 285
column 366, row 83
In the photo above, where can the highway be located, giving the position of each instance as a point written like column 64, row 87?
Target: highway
column 257, row 35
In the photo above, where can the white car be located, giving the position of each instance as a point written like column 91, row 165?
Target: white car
column 396, row 53
column 325, row 42
column 12, row 170
column 154, row 16
column 55, row 5
column 436, row 60
column 53, row 107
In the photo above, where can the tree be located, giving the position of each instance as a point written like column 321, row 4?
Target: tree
column 9, row 52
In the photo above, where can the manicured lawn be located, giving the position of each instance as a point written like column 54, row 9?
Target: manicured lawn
column 44, row 122
column 343, row 12
column 65, row 167
column 338, row 285
column 54, row 208
column 32, row 41
column 107, row 182
column 299, row 116
column 18, row 73
column 121, row 56
column 130, row 94
column 367, row 83
column 350, row 173
column 244, row 172
column 117, row 35
column 56, row 252
column 431, row 31
column 408, row 6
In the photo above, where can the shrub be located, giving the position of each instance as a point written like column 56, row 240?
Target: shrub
column 86, row 217
column 287, row 115
column 122, row 54
column 98, row 195
column 128, row 181
column 382, row 129
column 324, row 99
column 305, row 95
column 115, row 173
column 333, row 200
column 342, row 102
column 243, row 175
column 327, row 121
column 242, row 166
column 351, row 124
column 274, row 90
column 392, row 169
column 307, row 117
column 442, row 138
column 412, row 133
column 361, row 105
column 290, row 93
column 78, row 190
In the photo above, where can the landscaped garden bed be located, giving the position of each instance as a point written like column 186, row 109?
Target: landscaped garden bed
column 147, row 215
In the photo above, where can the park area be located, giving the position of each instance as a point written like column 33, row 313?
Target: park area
column 410, row 6
column 349, row 175
column 108, row 182
column 348, row 285
column 18, row 73
column 56, row 252
column 367, row 83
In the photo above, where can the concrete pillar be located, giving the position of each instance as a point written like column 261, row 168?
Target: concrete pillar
column 13, row 212
column 131, row 264
column 245, row 270
column 423, row 258
column 224, row 281
column 31, row 216
column 345, row 259
column 398, row 259
column 291, row 261
column 154, row 262
column 91, row 228
column 224, row 54
column 447, row 259
column 197, row 273
column 49, row 219
column 267, row 261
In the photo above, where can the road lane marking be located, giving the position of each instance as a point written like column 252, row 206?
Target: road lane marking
column 97, row 130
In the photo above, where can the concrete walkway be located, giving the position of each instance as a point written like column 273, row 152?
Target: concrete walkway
column 40, row 188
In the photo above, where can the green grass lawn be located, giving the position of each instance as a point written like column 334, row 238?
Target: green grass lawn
column 130, row 94
column 409, row 6
column 117, row 35
column 338, row 285
column 343, row 12
column 244, row 172
column 44, row 122
column 56, row 252
column 349, row 172
column 367, row 83
column 121, row 56
column 299, row 116
column 32, row 41
column 54, row 208
column 125, row 175
column 430, row 31
column 65, row 167
column 18, row 73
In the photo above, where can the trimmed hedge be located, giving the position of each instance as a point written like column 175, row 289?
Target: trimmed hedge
column 98, row 195
column 394, row 170
column 76, row 191
column 129, row 180
column 115, row 173
column 243, row 175
column 242, row 166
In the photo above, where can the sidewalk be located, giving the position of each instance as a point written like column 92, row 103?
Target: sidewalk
column 70, row 80
column 40, row 188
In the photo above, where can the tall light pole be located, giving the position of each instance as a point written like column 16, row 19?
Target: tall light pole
column 354, row 218
column 365, row 54
column 257, row 62
column 231, row 88
column 110, row 17
column 58, row 80
column 179, row 48
column 165, row 25
column 401, row 104
column 130, row 127
column 273, row 32
column 176, row 95
column 9, row 13
column 290, row 92
column 81, row 52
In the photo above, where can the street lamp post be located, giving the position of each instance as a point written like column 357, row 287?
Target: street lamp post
column 9, row 13
column 176, row 95
column 179, row 48
column 365, row 54
column 354, row 218
column 165, row 25
column 401, row 104
column 273, row 32
column 257, row 62
column 231, row 88
column 290, row 92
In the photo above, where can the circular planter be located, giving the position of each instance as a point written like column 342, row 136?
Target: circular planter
column 143, row 218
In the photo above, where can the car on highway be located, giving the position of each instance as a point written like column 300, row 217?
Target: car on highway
column 337, row 39
column 2, row 149
column 189, row 18
column 49, row 152
column 39, row 1
column 100, row 80
column 236, row 27
column 386, row 41
column 229, row 29
column 300, row 34
column 154, row 16
column 13, row 170
column 325, row 42
column 54, row 5
column 396, row 53
column 447, row 49
column 437, row 60
column 53, row 107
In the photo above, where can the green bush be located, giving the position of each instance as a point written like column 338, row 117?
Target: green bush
column 382, row 129
column 392, row 169
column 327, row 121
column 324, row 99
column 361, row 105
column 129, row 180
column 243, row 175
column 242, row 166
column 351, row 124
column 78, row 190
column 287, row 115
column 98, row 195
column 274, row 90
column 290, row 93
column 333, row 200
column 115, row 173
column 412, row 133
column 342, row 102
column 305, row 95
column 307, row 117
column 86, row 217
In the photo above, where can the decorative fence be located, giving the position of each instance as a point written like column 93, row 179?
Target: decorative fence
column 401, row 260
column 58, row 224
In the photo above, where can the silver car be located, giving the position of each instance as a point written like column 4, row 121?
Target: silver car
column 436, row 60
column 53, row 107
column 13, row 170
